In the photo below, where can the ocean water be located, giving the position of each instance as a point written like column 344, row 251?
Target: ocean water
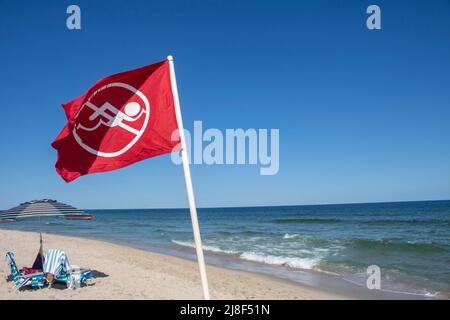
column 328, row 246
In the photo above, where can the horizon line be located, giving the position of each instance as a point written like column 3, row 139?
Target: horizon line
column 265, row 206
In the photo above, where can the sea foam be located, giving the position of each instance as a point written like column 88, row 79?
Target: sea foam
column 300, row 263
column 205, row 247
column 290, row 236
column 292, row 262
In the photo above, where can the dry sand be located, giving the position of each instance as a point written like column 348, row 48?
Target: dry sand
column 127, row 273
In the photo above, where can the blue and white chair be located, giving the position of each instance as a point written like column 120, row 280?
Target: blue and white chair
column 35, row 280
column 57, row 264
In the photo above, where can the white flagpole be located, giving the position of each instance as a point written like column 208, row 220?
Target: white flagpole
column 188, row 180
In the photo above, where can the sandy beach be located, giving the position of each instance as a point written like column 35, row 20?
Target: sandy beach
column 128, row 273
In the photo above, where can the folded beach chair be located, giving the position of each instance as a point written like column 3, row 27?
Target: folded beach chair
column 21, row 280
column 56, row 264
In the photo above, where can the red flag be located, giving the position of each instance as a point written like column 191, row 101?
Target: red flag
column 121, row 119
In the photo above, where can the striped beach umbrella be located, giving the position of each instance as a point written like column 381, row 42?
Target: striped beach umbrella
column 43, row 208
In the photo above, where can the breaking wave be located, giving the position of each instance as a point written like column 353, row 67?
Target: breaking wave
column 205, row 247
column 300, row 263
column 292, row 262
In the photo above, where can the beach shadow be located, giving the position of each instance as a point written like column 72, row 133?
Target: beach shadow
column 95, row 275
column 98, row 274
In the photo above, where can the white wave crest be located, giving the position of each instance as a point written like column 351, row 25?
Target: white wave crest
column 290, row 236
column 205, row 247
column 301, row 263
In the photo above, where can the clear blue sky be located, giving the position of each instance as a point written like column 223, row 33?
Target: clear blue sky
column 363, row 115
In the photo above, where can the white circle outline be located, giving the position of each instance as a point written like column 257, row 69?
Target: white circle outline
column 138, row 136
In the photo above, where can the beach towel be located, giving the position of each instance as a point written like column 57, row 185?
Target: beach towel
column 56, row 262
column 26, row 270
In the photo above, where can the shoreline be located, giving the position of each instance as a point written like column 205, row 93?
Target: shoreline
column 125, row 272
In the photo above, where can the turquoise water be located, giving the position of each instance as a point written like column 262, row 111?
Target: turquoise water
column 409, row 241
